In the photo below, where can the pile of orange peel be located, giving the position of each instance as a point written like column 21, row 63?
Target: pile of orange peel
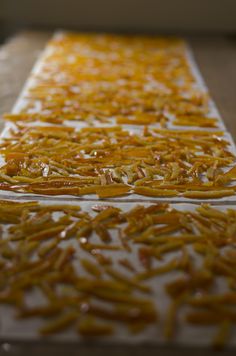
column 110, row 116
column 123, row 79
column 98, row 268
column 112, row 162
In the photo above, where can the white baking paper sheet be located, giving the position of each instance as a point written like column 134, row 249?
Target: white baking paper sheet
column 200, row 85
column 6, row 133
column 12, row 329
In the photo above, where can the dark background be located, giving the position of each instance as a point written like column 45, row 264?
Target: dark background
column 158, row 16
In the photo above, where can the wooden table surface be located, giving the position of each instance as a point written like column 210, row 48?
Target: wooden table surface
column 216, row 57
